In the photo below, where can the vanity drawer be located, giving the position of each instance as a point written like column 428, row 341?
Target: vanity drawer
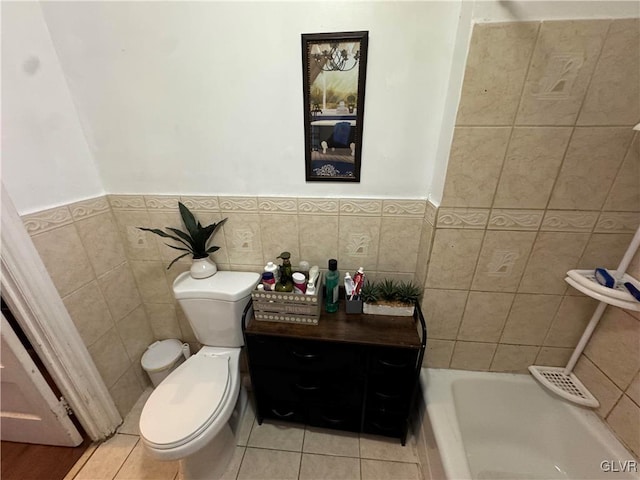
column 302, row 355
column 282, row 410
column 336, row 417
column 380, row 422
column 308, row 388
column 393, row 361
column 388, row 395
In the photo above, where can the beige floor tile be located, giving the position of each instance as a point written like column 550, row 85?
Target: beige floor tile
column 108, row 458
column 234, row 466
column 262, row 464
column 141, row 466
column 382, row 448
column 247, row 424
column 381, row 470
column 132, row 420
column 325, row 467
column 276, row 435
column 71, row 474
column 331, row 442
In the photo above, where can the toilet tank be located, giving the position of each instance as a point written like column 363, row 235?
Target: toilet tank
column 213, row 306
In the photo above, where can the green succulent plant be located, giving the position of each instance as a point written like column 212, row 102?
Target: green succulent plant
column 390, row 291
column 194, row 240
column 408, row 292
column 369, row 292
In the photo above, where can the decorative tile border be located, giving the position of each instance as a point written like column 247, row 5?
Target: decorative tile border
column 361, row 207
column 431, row 213
column 504, row 219
column 568, row 221
column 47, row 220
column 462, row 218
column 278, row 205
column 618, row 222
column 127, row 202
column 162, row 202
column 201, row 203
column 89, row 208
column 239, row 204
column 319, row 206
column 404, row 208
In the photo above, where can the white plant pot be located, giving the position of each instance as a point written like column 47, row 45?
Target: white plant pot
column 203, row 268
column 388, row 310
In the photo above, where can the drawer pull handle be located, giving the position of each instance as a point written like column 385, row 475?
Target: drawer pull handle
column 385, row 428
column 307, row 388
column 282, row 415
column 387, row 363
column 335, row 421
column 387, row 396
column 304, row 356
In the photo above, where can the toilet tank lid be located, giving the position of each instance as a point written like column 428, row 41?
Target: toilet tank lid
column 227, row 286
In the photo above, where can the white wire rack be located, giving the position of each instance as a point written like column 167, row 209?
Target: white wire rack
column 560, row 380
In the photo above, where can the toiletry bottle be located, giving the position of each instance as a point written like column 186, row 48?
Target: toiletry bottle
column 285, row 283
column 268, row 281
column 299, row 282
column 349, row 286
column 273, row 268
column 331, row 282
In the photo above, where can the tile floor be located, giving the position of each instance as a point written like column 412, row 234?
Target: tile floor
column 267, row 451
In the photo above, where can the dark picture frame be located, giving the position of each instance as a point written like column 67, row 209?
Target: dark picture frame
column 334, row 70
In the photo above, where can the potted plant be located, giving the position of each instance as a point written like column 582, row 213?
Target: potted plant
column 194, row 242
column 389, row 297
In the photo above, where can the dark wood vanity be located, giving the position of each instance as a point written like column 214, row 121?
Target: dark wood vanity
column 350, row 372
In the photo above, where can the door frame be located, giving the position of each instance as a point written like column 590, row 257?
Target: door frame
column 34, row 301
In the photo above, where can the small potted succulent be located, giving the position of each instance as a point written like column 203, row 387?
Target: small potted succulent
column 194, row 242
column 389, row 297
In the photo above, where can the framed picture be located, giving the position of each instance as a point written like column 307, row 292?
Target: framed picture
column 334, row 70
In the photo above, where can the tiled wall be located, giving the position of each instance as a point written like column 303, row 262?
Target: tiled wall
column 82, row 249
column 113, row 278
column 543, row 177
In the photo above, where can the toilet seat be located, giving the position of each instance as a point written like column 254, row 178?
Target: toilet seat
column 186, row 402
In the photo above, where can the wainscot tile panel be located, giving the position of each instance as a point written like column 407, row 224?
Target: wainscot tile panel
column 564, row 59
column 613, row 97
column 589, row 167
column 531, row 166
column 64, row 255
column 497, row 65
column 475, row 161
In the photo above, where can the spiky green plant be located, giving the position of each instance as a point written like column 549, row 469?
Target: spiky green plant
column 194, row 240
column 388, row 290
column 369, row 292
column 408, row 292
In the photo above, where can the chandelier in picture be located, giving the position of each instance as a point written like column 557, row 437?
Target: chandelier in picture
column 336, row 56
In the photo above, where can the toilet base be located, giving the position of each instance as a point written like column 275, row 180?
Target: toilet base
column 211, row 462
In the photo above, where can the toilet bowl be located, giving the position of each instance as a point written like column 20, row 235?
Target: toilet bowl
column 191, row 408
column 193, row 415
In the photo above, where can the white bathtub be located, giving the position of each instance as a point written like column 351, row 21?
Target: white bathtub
column 506, row 426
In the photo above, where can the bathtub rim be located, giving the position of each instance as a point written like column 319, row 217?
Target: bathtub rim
column 439, row 406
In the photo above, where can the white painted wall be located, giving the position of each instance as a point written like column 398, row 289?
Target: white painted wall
column 45, row 159
column 206, row 97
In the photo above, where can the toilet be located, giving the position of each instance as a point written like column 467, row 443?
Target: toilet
column 193, row 415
